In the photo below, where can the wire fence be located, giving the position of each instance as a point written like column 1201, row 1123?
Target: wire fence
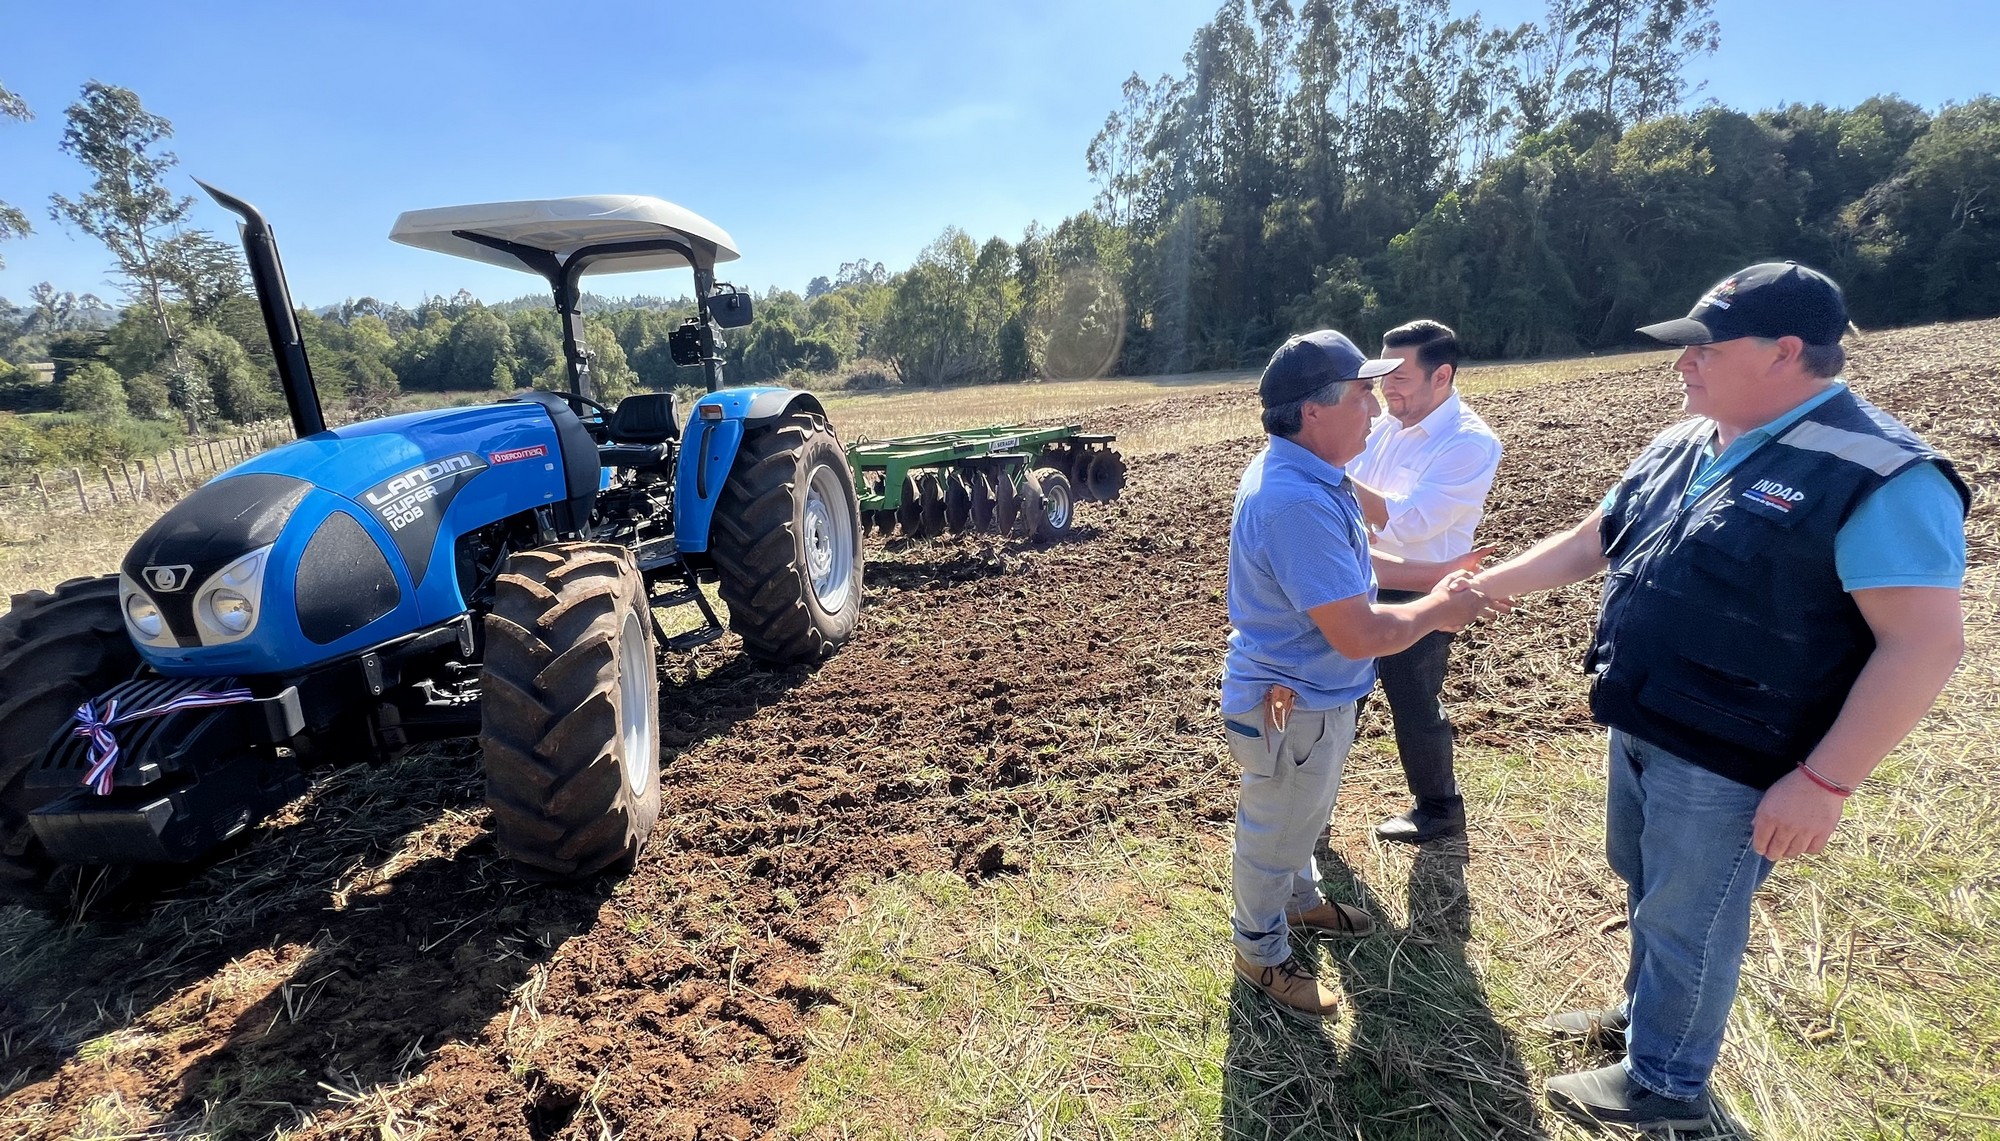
column 160, row 479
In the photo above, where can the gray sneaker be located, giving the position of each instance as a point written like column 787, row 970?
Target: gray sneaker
column 1608, row 1096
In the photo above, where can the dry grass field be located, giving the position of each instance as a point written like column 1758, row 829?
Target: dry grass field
column 969, row 878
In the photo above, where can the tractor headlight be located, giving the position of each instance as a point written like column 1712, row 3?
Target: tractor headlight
column 225, row 608
column 143, row 619
column 144, row 616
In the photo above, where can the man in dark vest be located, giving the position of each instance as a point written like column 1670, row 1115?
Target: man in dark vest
column 1782, row 607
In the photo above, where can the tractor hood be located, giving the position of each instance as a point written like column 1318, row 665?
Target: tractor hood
column 335, row 543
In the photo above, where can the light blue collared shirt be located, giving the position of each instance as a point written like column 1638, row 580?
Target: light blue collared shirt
column 1297, row 541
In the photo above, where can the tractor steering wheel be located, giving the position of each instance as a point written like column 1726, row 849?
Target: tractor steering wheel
column 585, row 401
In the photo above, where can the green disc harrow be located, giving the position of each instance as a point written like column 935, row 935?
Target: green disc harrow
column 1005, row 479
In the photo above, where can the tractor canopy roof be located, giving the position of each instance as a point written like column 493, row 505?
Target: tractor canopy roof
column 562, row 226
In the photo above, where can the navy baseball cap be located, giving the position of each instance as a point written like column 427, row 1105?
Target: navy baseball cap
column 1770, row 299
column 1311, row 361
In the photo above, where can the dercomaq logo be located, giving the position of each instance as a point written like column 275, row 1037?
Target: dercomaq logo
column 1771, row 493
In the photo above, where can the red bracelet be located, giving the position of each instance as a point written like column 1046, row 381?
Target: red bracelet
column 1834, row 787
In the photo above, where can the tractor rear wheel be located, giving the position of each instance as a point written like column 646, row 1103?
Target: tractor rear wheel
column 57, row 650
column 570, row 711
column 787, row 541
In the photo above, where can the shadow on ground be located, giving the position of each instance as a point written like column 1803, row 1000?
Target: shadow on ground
column 371, row 924
column 1420, row 1056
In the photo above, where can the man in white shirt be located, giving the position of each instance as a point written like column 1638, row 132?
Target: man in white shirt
column 1422, row 484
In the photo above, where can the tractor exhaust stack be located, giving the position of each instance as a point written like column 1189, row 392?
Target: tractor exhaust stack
column 267, row 275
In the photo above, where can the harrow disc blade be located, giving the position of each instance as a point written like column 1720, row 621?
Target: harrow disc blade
column 1006, row 502
column 1107, row 475
column 930, row 506
column 957, row 501
column 909, row 513
column 1031, row 512
column 980, row 494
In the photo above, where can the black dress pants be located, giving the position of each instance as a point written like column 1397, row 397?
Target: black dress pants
column 1411, row 681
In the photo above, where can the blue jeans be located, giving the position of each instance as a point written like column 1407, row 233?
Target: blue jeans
column 1679, row 836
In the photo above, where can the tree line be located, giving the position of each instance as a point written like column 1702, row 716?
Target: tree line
column 1543, row 188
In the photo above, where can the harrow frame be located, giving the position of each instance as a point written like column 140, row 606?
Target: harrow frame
column 886, row 472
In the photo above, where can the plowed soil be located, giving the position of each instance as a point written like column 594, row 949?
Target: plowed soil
column 997, row 693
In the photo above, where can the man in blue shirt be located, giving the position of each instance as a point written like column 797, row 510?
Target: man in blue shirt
column 1303, row 619
column 1782, row 607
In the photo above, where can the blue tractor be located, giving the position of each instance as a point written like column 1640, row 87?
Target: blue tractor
column 494, row 571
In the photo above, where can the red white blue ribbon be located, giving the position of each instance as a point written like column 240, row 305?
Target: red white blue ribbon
column 96, row 728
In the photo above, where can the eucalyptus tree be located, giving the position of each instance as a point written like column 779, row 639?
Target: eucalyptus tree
column 13, row 223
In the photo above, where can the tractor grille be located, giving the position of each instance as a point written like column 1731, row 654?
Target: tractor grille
column 143, row 756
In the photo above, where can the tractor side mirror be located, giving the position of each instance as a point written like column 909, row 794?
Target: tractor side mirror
column 729, row 306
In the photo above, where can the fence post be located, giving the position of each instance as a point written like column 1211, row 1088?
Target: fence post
column 127, row 470
column 110, row 488
column 43, row 492
column 76, row 475
column 159, row 473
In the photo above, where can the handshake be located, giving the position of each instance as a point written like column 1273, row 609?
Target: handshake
column 1462, row 602
column 1464, row 598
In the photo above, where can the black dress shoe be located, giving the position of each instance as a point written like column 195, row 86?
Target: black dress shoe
column 1602, row 1028
column 1420, row 827
column 1609, row 1096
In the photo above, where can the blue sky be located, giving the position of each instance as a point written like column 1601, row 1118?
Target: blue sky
column 814, row 133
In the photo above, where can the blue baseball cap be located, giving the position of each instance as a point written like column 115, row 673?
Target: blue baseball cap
column 1311, row 361
column 1770, row 300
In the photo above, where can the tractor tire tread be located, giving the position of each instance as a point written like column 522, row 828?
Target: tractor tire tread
column 555, row 780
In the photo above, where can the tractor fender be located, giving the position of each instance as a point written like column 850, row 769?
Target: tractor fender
column 708, row 449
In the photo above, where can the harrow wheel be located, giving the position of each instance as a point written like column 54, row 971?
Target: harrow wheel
column 1006, row 502
column 1053, row 508
column 957, row 502
column 980, row 494
column 570, row 711
column 57, row 649
column 1060, row 456
column 1107, row 475
column 930, row 505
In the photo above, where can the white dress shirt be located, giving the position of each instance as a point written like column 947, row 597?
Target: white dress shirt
column 1434, row 476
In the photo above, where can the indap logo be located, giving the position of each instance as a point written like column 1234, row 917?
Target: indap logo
column 1774, row 494
column 1720, row 295
column 419, row 477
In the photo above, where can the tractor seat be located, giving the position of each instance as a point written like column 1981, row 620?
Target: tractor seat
column 645, row 418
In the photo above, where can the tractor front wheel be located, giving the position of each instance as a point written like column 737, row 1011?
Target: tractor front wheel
column 787, row 542
column 57, row 650
column 570, row 711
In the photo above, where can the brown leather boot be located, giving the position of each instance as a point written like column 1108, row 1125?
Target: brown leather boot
column 1335, row 919
column 1291, row 985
